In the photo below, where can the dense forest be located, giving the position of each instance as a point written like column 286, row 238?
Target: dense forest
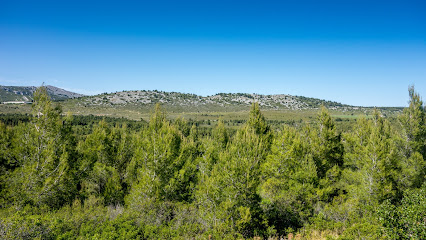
column 70, row 177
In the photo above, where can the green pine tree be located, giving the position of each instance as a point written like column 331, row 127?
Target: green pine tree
column 413, row 124
column 47, row 157
column 327, row 151
column 289, row 181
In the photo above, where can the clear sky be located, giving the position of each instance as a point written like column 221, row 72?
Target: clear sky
column 351, row 51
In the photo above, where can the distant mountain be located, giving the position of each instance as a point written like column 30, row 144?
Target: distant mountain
column 194, row 102
column 25, row 94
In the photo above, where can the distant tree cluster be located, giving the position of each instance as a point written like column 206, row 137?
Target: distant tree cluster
column 314, row 102
column 70, row 177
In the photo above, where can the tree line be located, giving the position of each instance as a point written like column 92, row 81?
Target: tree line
column 168, row 180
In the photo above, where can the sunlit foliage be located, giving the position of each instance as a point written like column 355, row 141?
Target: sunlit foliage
column 65, row 178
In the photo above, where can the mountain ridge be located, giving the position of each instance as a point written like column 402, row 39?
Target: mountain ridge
column 196, row 102
column 149, row 97
column 25, row 93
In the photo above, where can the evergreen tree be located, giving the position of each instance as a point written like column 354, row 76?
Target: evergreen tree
column 228, row 197
column 7, row 160
column 97, row 147
column 104, row 183
column 290, row 177
column 375, row 158
column 327, row 150
column 413, row 123
column 105, row 154
column 212, row 147
column 258, row 124
column 220, row 134
column 153, row 167
column 185, row 177
column 47, row 157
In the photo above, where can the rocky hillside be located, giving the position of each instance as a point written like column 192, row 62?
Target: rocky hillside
column 25, row 94
column 279, row 101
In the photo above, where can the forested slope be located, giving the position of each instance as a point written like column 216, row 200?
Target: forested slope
column 169, row 180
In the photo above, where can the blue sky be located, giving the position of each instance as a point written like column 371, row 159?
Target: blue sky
column 355, row 52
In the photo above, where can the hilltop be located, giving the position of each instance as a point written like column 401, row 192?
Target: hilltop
column 193, row 102
column 232, row 108
column 25, row 93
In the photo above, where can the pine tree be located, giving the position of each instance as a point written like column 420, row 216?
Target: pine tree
column 327, row 151
column 46, row 154
column 105, row 154
column 220, row 134
column 289, row 180
column 228, row 197
column 413, row 123
column 153, row 167
column 7, row 160
column 375, row 161
column 258, row 124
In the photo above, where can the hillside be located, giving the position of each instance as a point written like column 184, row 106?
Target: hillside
column 192, row 102
column 191, row 178
column 25, row 93
column 230, row 107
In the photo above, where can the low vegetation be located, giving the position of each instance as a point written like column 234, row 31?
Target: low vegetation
column 70, row 177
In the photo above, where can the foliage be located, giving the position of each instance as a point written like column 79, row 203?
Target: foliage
column 290, row 179
column 46, row 157
column 87, row 177
column 407, row 219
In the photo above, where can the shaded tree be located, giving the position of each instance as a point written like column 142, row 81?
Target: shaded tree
column 289, row 180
